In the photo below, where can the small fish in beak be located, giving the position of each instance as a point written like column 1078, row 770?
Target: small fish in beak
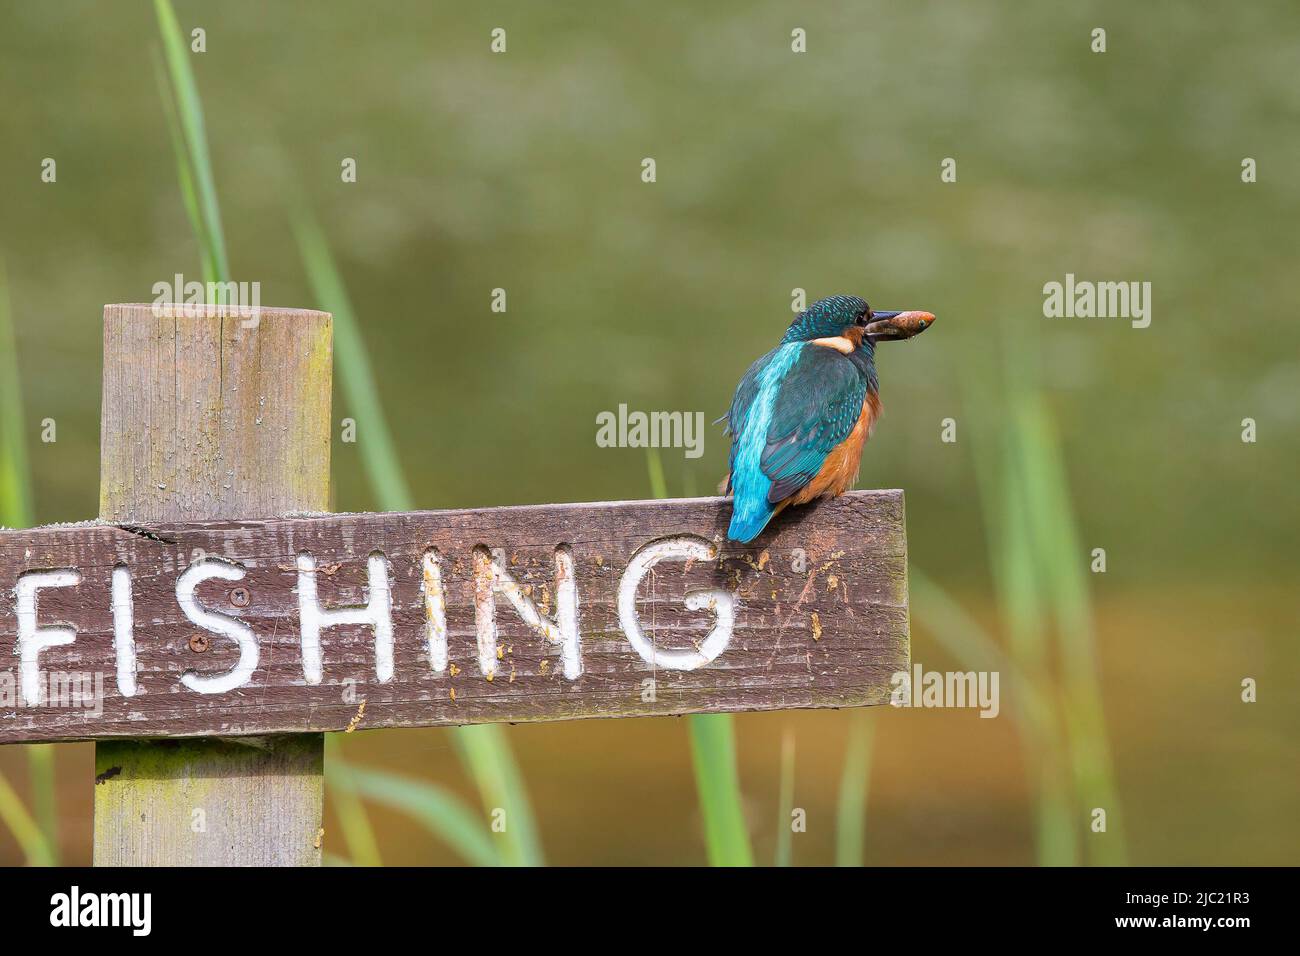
column 896, row 326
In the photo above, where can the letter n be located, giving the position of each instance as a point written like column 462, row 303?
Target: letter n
column 491, row 578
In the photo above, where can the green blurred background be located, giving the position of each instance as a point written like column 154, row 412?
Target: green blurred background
column 775, row 170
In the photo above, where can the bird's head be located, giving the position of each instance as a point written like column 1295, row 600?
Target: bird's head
column 849, row 317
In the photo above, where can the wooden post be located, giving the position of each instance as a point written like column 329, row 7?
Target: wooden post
column 212, row 417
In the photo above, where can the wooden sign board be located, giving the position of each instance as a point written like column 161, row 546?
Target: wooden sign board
column 343, row 622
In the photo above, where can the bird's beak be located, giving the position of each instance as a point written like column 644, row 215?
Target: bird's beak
column 896, row 326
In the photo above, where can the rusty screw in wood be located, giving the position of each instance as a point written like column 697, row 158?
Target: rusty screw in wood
column 239, row 597
column 198, row 643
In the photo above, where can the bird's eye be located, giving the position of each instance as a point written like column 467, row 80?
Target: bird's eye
column 863, row 317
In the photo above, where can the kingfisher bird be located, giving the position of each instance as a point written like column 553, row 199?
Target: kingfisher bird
column 803, row 411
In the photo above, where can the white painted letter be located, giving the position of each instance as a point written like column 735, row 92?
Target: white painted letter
column 205, row 569
column 124, row 630
column 377, row 613
column 491, row 578
column 32, row 639
column 435, row 611
column 720, row 601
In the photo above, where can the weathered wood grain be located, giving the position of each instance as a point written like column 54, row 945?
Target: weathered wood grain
column 209, row 416
column 214, row 416
column 820, row 605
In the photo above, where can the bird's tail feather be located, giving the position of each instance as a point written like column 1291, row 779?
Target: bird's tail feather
column 748, row 519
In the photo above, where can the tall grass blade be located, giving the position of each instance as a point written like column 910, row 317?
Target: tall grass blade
column 484, row 750
column 654, row 466
column 1021, row 602
column 1034, row 456
column 713, row 751
column 688, row 482
column 784, row 829
column 851, row 807
column 1020, row 597
column 443, row 814
column 974, row 648
column 15, row 477
column 188, row 194
column 13, row 813
column 16, row 511
column 189, row 113
column 198, row 189
column 1061, row 559
column 379, row 455
column 953, row 627
column 1032, row 707
column 41, row 768
column 363, row 849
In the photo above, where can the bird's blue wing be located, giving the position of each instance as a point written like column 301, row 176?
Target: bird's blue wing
column 742, row 403
column 818, row 403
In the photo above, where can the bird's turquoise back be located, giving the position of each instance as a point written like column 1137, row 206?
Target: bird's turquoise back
column 749, row 420
column 794, row 406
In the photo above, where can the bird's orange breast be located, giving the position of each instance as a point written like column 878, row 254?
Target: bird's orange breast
column 839, row 473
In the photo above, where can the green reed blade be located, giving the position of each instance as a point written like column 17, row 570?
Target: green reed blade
column 784, row 829
column 855, row 780
column 363, row 849
column 443, row 814
column 189, row 114
column 16, row 511
column 485, row 751
column 713, row 752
